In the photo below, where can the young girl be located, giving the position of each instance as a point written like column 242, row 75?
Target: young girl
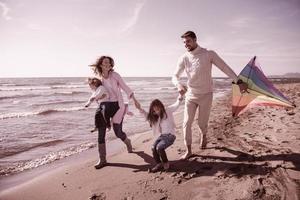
column 101, row 96
column 162, row 122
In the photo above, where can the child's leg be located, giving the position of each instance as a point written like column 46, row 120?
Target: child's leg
column 166, row 141
column 155, row 152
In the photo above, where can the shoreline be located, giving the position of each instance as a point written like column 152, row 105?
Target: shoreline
column 114, row 147
column 257, row 153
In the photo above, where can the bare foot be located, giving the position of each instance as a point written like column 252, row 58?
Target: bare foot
column 187, row 155
column 203, row 142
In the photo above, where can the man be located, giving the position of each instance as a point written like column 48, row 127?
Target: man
column 197, row 63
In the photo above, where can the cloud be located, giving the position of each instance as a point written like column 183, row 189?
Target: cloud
column 134, row 18
column 240, row 22
column 5, row 11
column 35, row 27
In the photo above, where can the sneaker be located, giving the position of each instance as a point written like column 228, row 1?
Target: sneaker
column 156, row 168
column 166, row 166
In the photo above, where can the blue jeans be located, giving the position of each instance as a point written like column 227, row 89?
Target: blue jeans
column 159, row 146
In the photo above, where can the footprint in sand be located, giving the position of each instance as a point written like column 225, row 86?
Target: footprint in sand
column 147, row 140
column 100, row 196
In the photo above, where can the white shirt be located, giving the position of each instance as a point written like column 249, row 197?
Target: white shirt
column 167, row 124
column 97, row 94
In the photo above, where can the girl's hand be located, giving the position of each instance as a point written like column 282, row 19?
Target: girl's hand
column 180, row 97
column 182, row 89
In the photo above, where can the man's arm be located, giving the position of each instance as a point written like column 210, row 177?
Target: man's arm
column 219, row 62
column 176, row 77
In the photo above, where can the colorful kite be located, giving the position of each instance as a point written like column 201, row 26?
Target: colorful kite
column 260, row 91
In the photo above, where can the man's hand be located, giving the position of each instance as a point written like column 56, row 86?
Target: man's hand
column 181, row 89
column 242, row 85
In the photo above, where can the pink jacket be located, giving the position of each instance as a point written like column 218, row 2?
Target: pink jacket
column 114, row 83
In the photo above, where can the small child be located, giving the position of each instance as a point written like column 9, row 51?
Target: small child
column 162, row 122
column 100, row 95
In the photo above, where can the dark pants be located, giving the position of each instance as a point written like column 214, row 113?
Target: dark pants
column 104, row 112
column 160, row 145
column 118, row 129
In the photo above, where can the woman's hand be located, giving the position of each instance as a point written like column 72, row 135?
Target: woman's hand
column 137, row 104
column 182, row 89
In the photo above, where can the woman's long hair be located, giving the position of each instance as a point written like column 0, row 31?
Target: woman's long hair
column 96, row 67
column 152, row 117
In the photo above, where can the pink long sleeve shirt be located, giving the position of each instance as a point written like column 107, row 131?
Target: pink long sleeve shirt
column 114, row 84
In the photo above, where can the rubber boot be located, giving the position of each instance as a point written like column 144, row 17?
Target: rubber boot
column 102, row 156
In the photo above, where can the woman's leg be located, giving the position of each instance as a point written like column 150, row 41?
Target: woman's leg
column 118, row 129
column 101, row 147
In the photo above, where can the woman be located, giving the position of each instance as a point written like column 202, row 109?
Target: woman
column 114, row 83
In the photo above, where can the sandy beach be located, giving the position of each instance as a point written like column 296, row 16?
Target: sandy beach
column 256, row 156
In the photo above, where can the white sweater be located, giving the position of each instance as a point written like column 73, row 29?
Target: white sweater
column 198, row 64
column 167, row 124
column 97, row 94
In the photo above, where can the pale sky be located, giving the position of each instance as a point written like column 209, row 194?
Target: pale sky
column 62, row 37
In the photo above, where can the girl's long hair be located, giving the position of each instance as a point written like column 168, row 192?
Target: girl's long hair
column 94, row 81
column 152, row 117
column 96, row 67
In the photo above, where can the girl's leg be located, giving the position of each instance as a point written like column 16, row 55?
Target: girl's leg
column 118, row 129
column 166, row 141
column 154, row 151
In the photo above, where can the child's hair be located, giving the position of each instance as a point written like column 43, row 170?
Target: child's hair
column 94, row 81
column 152, row 117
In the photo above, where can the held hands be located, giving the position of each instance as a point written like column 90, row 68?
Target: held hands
column 180, row 97
column 136, row 103
column 181, row 89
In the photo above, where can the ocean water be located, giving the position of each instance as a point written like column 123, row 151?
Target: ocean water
column 44, row 119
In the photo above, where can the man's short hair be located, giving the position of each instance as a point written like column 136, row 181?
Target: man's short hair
column 189, row 34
